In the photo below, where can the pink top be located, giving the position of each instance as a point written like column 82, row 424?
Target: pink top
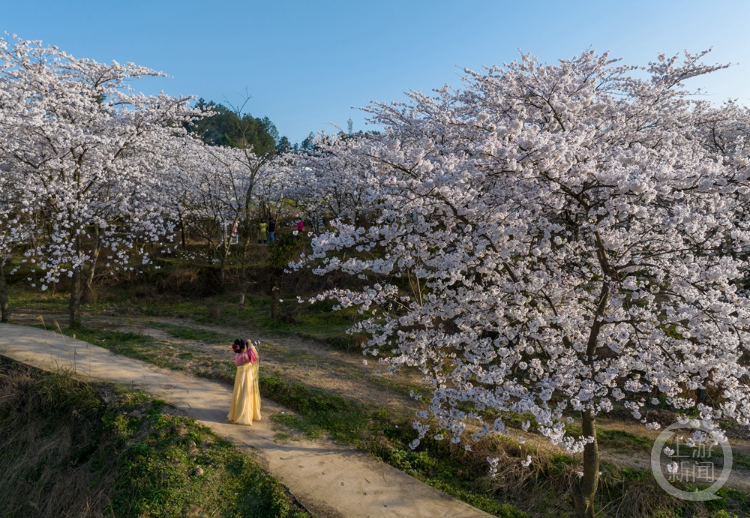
column 300, row 225
column 247, row 357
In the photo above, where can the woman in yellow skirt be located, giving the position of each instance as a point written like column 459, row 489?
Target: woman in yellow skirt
column 245, row 405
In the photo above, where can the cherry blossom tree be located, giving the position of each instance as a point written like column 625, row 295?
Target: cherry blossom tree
column 327, row 181
column 272, row 189
column 16, row 225
column 725, row 132
column 574, row 243
column 266, row 178
column 219, row 188
column 86, row 149
column 253, row 166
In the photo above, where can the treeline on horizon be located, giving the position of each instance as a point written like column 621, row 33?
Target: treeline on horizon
column 228, row 127
column 232, row 128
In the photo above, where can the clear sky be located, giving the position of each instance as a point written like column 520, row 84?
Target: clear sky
column 306, row 63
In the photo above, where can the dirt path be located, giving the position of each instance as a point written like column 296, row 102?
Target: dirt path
column 328, row 479
column 310, row 362
column 318, row 365
column 313, row 363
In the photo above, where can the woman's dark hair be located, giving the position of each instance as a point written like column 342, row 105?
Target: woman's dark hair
column 238, row 345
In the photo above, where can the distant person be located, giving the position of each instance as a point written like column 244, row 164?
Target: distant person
column 271, row 230
column 262, row 232
column 245, row 406
column 300, row 226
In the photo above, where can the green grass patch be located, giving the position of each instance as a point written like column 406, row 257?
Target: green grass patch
column 21, row 296
column 191, row 333
column 616, row 439
column 69, row 448
column 314, row 321
column 340, row 419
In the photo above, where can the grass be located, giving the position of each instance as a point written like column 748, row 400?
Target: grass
column 622, row 441
column 191, row 333
column 34, row 299
column 69, row 448
column 228, row 481
column 618, row 440
column 437, row 463
column 314, row 321
column 542, row 491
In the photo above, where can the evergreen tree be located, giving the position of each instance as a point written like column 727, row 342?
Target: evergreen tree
column 228, row 128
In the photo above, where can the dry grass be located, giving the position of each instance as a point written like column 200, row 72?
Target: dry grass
column 545, row 487
column 32, row 478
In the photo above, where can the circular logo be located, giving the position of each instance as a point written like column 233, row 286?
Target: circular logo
column 691, row 459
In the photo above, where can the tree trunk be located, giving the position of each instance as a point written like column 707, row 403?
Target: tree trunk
column 243, row 275
column 275, row 308
column 222, row 263
column 249, row 234
column 585, row 492
column 4, row 306
column 243, row 268
column 75, row 298
column 183, row 236
column 700, row 396
column 88, row 294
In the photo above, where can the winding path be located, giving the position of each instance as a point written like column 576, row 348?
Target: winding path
column 328, row 479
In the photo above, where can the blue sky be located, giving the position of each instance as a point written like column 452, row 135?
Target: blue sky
column 306, row 63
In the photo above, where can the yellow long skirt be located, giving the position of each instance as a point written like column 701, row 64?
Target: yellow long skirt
column 245, row 405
